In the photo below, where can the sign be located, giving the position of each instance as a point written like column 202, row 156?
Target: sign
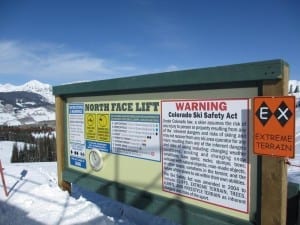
column 180, row 137
column 274, row 126
column 205, row 150
column 76, row 135
column 128, row 128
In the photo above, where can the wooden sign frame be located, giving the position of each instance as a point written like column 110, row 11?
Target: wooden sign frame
column 267, row 187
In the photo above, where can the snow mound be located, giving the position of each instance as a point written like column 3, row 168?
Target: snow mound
column 35, row 199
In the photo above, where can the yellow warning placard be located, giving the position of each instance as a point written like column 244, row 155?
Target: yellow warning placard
column 274, row 126
column 103, row 126
column 90, row 126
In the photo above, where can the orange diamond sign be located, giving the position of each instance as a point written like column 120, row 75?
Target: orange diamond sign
column 274, row 126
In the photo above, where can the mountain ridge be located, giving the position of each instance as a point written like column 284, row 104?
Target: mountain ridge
column 30, row 103
column 34, row 86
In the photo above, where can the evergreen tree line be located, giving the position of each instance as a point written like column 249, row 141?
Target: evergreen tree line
column 22, row 133
column 39, row 142
column 42, row 150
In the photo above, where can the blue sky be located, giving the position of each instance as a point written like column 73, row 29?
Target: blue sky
column 58, row 42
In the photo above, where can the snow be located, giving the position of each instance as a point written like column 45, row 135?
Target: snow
column 293, row 85
column 26, row 116
column 294, row 169
column 44, row 134
column 9, row 119
column 37, row 114
column 34, row 199
column 32, row 86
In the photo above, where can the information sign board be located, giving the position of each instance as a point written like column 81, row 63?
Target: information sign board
column 204, row 143
column 205, row 150
column 129, row 128
column 274, row 126
column 180, row 137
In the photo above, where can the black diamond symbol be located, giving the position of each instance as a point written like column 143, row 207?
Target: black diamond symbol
column 283, row 114
column 263, row 113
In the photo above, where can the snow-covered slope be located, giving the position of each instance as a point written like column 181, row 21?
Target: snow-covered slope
column 35, row 199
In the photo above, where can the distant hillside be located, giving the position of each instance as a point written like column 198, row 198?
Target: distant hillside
column 23, row 99
column 30, row 103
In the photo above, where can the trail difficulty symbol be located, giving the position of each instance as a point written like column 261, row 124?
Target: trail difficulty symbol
column 274, row 126
column 282, row 113
column 263, row 113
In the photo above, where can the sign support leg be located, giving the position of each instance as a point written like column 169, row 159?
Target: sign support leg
column 274, row 171
column 3, row 180
column 60, row 144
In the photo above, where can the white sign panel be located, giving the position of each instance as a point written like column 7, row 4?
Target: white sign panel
column 205, row 150
column 128, row 128
column 136, row 135
column 76, row 135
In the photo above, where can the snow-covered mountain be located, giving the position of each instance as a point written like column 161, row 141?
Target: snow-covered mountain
column 294, row 88
column 30, row 103
column 33, row 86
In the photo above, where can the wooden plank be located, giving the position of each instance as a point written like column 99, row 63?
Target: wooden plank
column 274, row 170
column 60, row 143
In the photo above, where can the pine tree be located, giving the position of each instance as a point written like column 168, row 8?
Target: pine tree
column 25, row 153
column 53, row 148
column 21, row 156
column 15, row 153
column 291, row 89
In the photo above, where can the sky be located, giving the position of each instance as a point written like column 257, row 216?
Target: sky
column 59, row 42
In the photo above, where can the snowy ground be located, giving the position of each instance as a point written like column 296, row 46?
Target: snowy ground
column 34, row 198
column 294, row 169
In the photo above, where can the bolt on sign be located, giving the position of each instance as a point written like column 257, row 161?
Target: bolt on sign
column 274, row 126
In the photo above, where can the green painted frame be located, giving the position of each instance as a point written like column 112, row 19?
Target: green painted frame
column 184, row 80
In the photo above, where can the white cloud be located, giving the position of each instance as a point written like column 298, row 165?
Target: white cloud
column 53, row 62
column 172, row 68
